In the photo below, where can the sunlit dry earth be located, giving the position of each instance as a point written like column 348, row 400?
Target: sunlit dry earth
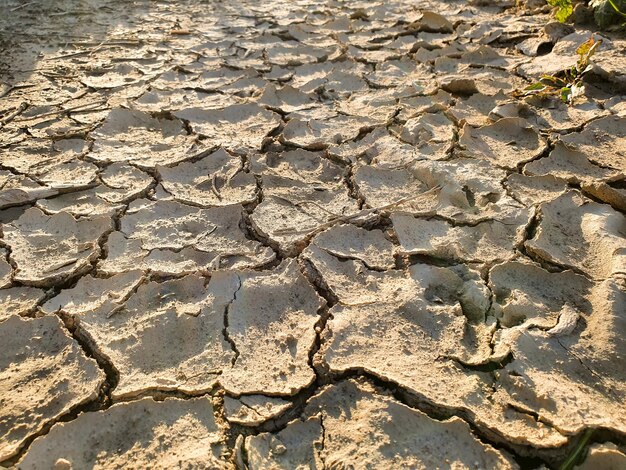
column 299, row 234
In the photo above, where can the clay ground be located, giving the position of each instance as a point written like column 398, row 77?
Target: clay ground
column 308, row 234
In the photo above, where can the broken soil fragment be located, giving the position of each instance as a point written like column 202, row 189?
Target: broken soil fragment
column 603, row 141
column 317, row 135
column 350, row 242
column 134, row 336
column 444, row 314
column 588, row 388
column 507, row 143
column 432, row 134
column 139, row 139
column 271, row 320
column 19, row 300
column 352, row 423
column 578, row 233
column 574, row 167
column 95, row 295
column 241, row 321
column 486, row 242
column 606, row 456
column 235, row 127
column 531, row 190
column 43, row 375
column 143, row 433
column 216, row 180
column 51, row 249
column 525, row 293
column 57, row 164
column 302, row 192
column 464, row 189
column 173, row 238
column 252, row 410
column 20, row 190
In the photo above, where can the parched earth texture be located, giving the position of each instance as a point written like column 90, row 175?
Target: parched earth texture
column 308, row 234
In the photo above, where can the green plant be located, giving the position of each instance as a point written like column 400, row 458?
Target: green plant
column 608, row 12
column 568, row 84
column 605, row 12
column 564, row 9
column 576, row 453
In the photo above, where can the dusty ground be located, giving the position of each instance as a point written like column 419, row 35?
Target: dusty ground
column 299, row 234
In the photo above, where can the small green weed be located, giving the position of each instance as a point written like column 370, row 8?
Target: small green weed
column 568, row 84
column 605, row 12
column 564, row 9
column 608, row 12
column 577, row 452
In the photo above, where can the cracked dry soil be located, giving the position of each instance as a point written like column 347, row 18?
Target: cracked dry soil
column 305, row 234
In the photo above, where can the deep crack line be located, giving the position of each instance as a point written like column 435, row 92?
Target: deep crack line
column 323, row 442
column 225, row 333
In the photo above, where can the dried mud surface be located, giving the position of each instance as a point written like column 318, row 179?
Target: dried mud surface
column 299, row 234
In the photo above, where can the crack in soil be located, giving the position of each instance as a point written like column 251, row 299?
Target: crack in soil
column 227, row 337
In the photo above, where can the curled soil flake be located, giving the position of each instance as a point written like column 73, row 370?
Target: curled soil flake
column 603, row 141
column 216, row 180
column 252, row 410
column 19, row 300
column 51, row 249
column 507, row 143
column 606, row 456
column 576, row 232
column 173, row 238
column 140, row 139
column 587, row 389
column 237, row 126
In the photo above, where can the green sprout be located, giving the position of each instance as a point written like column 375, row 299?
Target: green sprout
column 576, row 453
column 568, row 84
column 564, row 9
column 605, row 12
